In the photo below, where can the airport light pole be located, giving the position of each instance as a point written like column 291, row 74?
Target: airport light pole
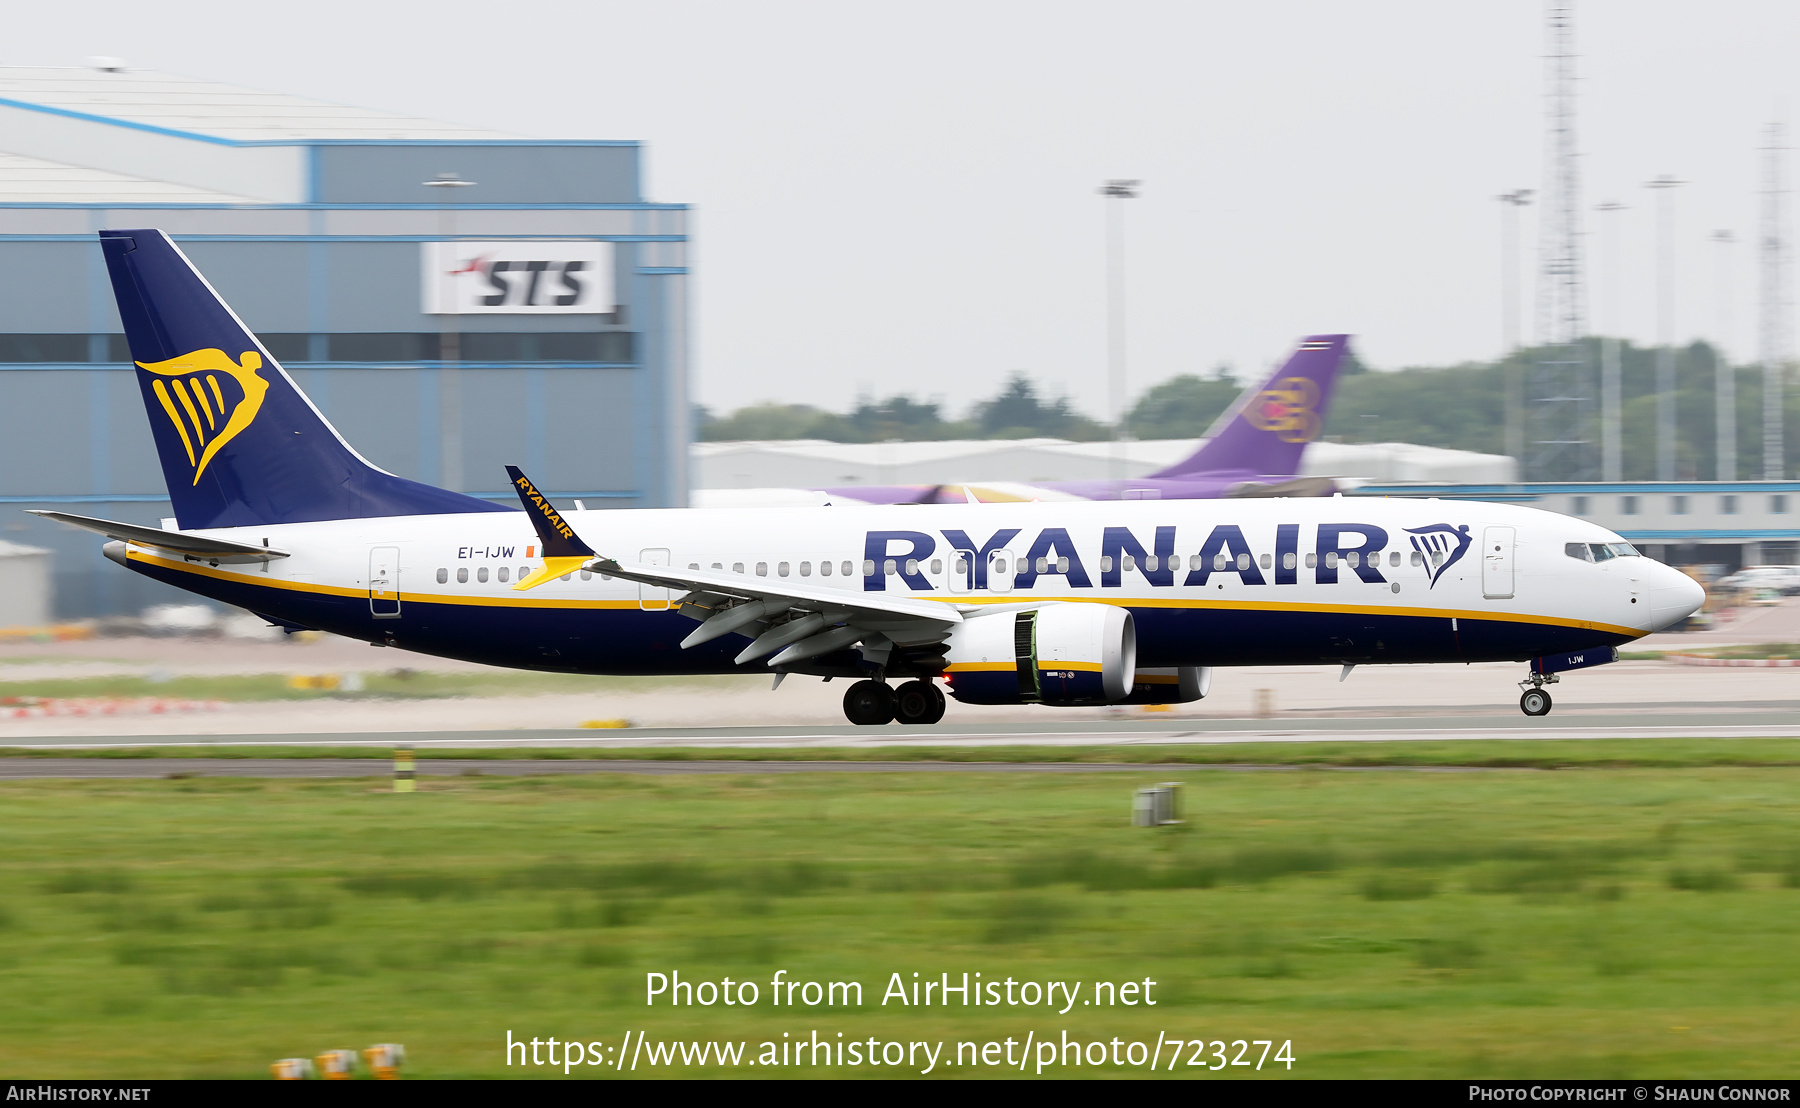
column 450, row 452
column 1612, row 467
column 1116, row 193
column 1724, row 377
column 1665, row 186
column 1509, row 319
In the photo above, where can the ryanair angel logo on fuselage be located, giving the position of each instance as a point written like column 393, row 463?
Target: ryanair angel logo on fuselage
column 1435, row 546
column 209, row 398
column 1288, row 410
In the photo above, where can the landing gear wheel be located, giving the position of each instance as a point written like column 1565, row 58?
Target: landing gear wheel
column 1535, row 702
column 869, row 704
column 918, row 702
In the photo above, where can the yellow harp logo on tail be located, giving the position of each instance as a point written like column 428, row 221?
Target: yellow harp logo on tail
column 209, row 398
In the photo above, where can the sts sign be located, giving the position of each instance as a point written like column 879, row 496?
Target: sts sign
column 517, row 278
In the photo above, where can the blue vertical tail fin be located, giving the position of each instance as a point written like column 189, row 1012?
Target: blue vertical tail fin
column 240, row 444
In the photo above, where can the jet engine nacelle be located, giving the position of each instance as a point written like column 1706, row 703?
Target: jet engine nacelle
column 1060, row 654
column 1181, row 685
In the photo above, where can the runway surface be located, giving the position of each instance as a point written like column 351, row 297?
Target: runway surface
column 16, row 769
column 1668, row 721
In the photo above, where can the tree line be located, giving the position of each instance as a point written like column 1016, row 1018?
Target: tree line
column 1462, row 407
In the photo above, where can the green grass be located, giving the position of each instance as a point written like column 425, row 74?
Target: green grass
column 1524, row 753
column 1598, row 922
column 393, row 684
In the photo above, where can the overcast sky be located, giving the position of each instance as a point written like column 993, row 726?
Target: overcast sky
column 901, row 197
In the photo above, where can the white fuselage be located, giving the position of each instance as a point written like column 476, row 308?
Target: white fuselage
column 1304, row 580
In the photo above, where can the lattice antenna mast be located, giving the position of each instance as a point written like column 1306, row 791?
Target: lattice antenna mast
column 1775, row 336
column 1560, row 399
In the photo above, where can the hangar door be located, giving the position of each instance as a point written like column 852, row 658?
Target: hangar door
column 1497, row 563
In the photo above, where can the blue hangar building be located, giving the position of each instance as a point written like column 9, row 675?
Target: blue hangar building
column 452, row 299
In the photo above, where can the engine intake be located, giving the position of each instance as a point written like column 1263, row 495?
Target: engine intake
column 1061, row 654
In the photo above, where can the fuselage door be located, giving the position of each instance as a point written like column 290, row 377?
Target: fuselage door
column 384, row 582
column 1002, row 565
column 651, row 598
column 1497, row 563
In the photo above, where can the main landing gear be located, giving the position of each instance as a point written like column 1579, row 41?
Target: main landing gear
column 873, row 703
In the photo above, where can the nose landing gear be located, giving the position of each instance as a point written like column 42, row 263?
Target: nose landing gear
column 1535, row 701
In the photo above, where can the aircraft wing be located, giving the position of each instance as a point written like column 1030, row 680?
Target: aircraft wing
column 791, row 621
column 792, row 593
column 200, row 548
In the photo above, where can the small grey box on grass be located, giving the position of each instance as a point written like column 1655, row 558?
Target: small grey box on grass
column 1157, row 806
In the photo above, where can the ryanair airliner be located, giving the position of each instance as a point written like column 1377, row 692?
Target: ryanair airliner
column 1088, row 603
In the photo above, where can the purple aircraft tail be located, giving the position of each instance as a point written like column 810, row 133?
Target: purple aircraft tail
column 1268, row 428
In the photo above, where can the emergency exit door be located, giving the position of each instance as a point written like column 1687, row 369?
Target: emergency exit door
column 384, row 582
column 651, row 598
column 1497, row 563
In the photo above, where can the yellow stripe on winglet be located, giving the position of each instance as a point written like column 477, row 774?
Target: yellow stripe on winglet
column 550, row 570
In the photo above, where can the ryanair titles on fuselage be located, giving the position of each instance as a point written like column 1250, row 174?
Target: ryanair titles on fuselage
column 1357, row 547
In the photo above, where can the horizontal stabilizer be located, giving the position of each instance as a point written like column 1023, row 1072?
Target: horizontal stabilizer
column 202, row 548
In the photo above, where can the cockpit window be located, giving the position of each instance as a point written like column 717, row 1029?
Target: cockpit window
column 1599, row 551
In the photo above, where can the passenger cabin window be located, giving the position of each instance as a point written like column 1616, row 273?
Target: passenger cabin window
column 1287, row 560
column 481, row 575
column 737, row 567
column 762, row 569
column 912, row 567
column 586, row 574
column 1417, row 558
column 1312, row 561
column 824, row 569
column 781, row 570
column 889, row 568
column 462, row 575
column 443, row 576
column 691, row 565
column 937, row 566
column 868, row 568
column 503, row 573
column 806, row 569
column 1268, row 561
column 847, row 571
column 1393, row 558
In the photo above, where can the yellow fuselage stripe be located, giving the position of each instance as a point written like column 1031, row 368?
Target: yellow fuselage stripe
column 1121, row 602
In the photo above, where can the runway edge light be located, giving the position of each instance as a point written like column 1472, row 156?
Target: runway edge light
column 403, row 769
